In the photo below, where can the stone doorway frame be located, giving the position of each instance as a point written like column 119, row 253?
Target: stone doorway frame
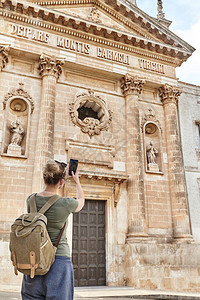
column 92, row 192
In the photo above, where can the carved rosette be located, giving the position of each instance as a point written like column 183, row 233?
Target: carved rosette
column 169, row 93
column 90, row 125
column 50, row 65
column 3, row 56
column 19, row 93
column 131, row 85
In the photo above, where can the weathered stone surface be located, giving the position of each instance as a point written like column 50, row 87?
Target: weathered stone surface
column 145, row 209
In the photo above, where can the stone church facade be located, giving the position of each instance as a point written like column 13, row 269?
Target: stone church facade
column 96, row 81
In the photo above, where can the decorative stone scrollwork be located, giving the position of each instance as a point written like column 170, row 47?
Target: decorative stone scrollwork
column 131, row 84
column 3, row 56
column 17, row 105
column 169, row 93
column 150, row 117
column 90, row 113
column 50, row 65
column 94, row 15
column 160, row 10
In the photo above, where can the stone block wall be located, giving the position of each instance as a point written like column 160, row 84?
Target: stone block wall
column 189, row 112
column 143, row 214
column 163, row 266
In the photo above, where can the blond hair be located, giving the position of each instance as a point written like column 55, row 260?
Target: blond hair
column 53, row 172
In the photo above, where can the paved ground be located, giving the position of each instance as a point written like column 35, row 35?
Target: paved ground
column 9, row 296
column 110, row 293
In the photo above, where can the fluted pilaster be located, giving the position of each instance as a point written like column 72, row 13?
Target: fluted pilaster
column 180, row 216
column 50, row 68
column 131, row 87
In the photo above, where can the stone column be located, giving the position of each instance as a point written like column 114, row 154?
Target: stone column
column 3, row 56
column 131, row 88
column 180, row 216
column 50, row 68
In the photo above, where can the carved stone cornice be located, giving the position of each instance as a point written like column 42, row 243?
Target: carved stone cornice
column 131, row 85
column 50, row 65
column 118, row 178
column 169, row 93
column 3, row 56
column 130, row 17
column 147, row 40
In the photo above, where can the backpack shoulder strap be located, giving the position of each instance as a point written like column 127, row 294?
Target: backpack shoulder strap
column 49, row 203
column 32, row 203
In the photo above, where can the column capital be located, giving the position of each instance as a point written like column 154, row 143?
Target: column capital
column 169, row 93
column 50, row 65
column 131, row 85
column 3, row 56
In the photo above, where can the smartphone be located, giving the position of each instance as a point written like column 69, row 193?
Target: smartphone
column 73, row 164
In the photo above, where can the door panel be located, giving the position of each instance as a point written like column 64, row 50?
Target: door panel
column 88, row 253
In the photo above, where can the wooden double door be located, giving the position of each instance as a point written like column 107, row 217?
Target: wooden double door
column 88, row 246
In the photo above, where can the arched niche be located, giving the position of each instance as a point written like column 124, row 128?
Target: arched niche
column 18, row 106
column 152, row 143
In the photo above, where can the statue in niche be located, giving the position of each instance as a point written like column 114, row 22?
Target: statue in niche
column 151, row 153
column 17, row 132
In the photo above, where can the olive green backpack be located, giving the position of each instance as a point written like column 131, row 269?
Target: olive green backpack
column 32, row 251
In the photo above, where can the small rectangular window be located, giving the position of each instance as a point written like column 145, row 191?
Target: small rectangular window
column 198, row 134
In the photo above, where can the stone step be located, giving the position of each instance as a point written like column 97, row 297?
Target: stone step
column 110, row 293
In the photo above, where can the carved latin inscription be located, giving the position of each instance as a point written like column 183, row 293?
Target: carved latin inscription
column 113, row 55
column 151, row 66
column 30, row 33
column 73, row 45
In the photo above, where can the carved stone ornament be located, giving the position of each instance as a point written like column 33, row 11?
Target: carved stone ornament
column 160, row 10
column 150, row 117
column 18, row 93
column 131, row 85
column 169, row 93
column 50, row 65
column 3, row 56
column 94, row 15
column 90, row 125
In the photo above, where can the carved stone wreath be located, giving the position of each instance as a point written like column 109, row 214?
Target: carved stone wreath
column 90, row 125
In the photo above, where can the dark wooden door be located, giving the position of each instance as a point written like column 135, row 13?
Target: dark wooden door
column 88, row 246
